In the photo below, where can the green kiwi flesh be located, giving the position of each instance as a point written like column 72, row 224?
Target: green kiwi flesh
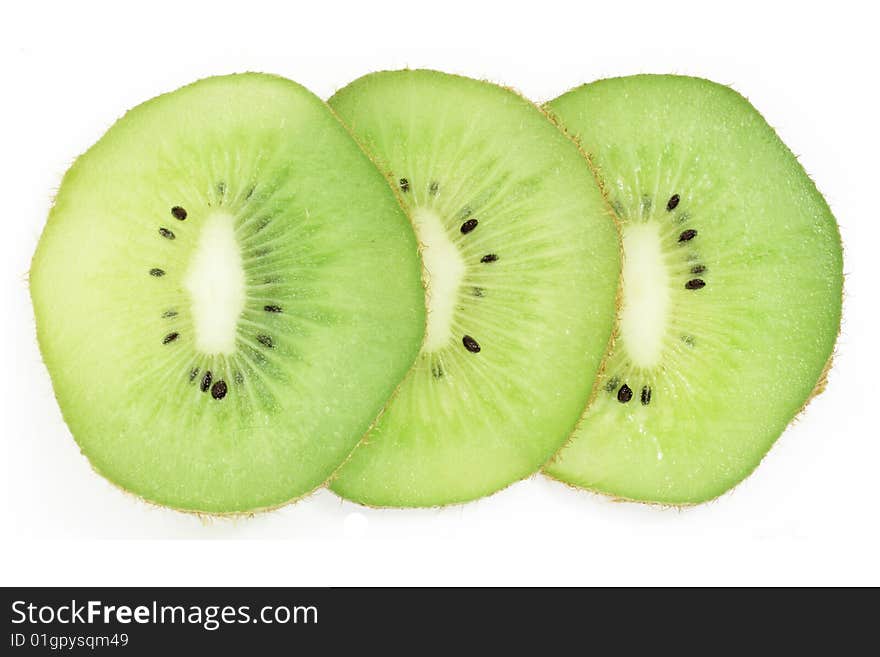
column 522, row 268
column 226, row 293
column 732, row 288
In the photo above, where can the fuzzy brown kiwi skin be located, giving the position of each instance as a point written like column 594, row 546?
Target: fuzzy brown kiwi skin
column 618, row 297
column 819, row 388
column 207, row 516
column 387, row 175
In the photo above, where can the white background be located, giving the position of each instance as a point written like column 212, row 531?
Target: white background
column 808, row 515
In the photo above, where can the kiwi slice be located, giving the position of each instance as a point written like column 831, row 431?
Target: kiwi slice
column 516, row 241
column 226, row 293
column 732, row 289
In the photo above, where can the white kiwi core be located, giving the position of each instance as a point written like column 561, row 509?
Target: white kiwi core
column 215, row 282
column 443, row 268
column 646, row 287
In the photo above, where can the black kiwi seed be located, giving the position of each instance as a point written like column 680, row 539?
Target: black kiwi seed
column 266, row 341
column 193, row 373
column 698, row 269
column 672, row 203
column 434, row 189
column 646, row 396
column 404, row 185
column 624, row 394
column 178, row 213
column 171, row 337
column 489, row 257
column 218, row 390
column 206, row 381
column 695, row 284
column 155, row 271
column 272, row 309
column 167, row 234
column 468, row 226
column 477, row 291
column 470, row 344
column 612, row 384
column 169, row 313
column 687, row 235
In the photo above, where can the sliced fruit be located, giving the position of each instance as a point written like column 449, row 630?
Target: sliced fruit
column 521, row 263
column 226, row 294
column 731, row 293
